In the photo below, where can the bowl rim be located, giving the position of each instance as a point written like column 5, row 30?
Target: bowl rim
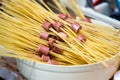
column 108, row 61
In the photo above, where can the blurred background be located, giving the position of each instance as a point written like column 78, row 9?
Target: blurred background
column 107, row 7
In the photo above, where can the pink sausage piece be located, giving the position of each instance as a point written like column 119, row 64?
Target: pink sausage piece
column 52, row 62
column 46, row 25
column 81, row 37
column 62, row 16
column 45, row 58
column 63, row 34
column 43, row 49
column 51, row 42
column 57, row 50
column 44, row 36
column 86, row 20
column 76, row 27
column 57, row 25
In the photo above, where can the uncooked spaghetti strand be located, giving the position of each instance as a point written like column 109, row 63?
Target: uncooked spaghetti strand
column 28, row 43
column 101, row 27
column 7, row 17
column 95, row 39
column 16, row 50
column 55, row 53
column 22, row 16
column 22, row 45
column 21, row 26
column 64, row 58
column 33, row 38
column 59, row 6
column 69, row 50
column 76, row 9
column 21, row 23
column 46, row 6
column 19, row 10
column 22, row 9
column 72, row 46
column 102, row 49
column 85, row 47
column 51, row 5
column 4, row 52
column 65, row 48
column 23, row 38
column 95, row 43
column 18, row 57
column 106, row 29
column 36, row 59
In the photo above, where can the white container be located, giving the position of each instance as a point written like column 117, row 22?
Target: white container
column 79, row 2
column 39, row 71
column 117, row 75
column 103, row 8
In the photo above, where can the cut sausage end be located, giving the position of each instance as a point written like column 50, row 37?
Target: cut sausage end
column 81, row 37
column 45, row 58
column 43, row 49
column 76, row 27
column 44, row 36
column 52, row 62
column 62, row 16
column 57, row 25
column 62, row 34
column 47, row 25
column 51, row 42
column 57, row 50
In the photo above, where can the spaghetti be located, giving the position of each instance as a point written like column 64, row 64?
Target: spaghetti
column 33, row 31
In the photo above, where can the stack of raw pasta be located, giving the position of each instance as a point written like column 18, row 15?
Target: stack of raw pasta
column 30, row 30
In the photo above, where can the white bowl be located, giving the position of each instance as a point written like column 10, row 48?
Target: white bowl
column 117, row 75
column 39, row 71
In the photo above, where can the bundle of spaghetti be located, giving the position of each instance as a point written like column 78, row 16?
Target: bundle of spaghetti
column 34, row 32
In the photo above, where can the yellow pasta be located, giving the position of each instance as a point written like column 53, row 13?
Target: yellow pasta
column 21, row 26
